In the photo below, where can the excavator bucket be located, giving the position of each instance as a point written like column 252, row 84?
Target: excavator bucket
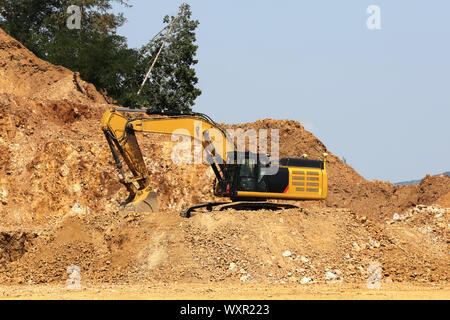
column 146, row 201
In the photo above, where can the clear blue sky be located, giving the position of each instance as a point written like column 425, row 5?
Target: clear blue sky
column 380, row 98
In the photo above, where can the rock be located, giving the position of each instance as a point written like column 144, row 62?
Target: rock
column 232, row 266
column 305, row 280
column 304, row 259
column 64, row 171
column 244, row 278
column 330, row 276
column 396, row 217
column 76, row 187
column 287, row 253
column 19, row 280
column 4, row 197
column 76, row 209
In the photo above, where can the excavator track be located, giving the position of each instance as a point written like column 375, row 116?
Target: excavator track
column 238, row 205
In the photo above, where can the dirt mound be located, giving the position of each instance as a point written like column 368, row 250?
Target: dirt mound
column 381, row 199
column 444, row 201
column 233, row 246
column 432, row 188
column 23, row 74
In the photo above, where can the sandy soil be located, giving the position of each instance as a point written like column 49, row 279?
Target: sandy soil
column 229, row 292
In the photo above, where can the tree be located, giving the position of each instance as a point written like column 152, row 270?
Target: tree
column 172, row 83
column 95, row 51
column 102, row 57
column 25, row 19
column 36, row 23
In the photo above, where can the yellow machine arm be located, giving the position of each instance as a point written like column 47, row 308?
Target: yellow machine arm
column 120, row 134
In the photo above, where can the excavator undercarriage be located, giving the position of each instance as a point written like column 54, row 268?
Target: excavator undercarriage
column 237, row 205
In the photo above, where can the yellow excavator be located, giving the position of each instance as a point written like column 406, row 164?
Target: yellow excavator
column 248, row 179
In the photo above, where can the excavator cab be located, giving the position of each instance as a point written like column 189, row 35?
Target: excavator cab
column 244, row 172
column 251, row 176
column 240, row 173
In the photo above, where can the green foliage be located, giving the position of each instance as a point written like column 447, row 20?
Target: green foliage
column 102, row 57
column 172, row 83
column 35, row 23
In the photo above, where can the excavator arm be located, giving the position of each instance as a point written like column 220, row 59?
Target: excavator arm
column 120, row 132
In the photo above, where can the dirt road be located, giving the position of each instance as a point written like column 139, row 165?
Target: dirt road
column 244, row 292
